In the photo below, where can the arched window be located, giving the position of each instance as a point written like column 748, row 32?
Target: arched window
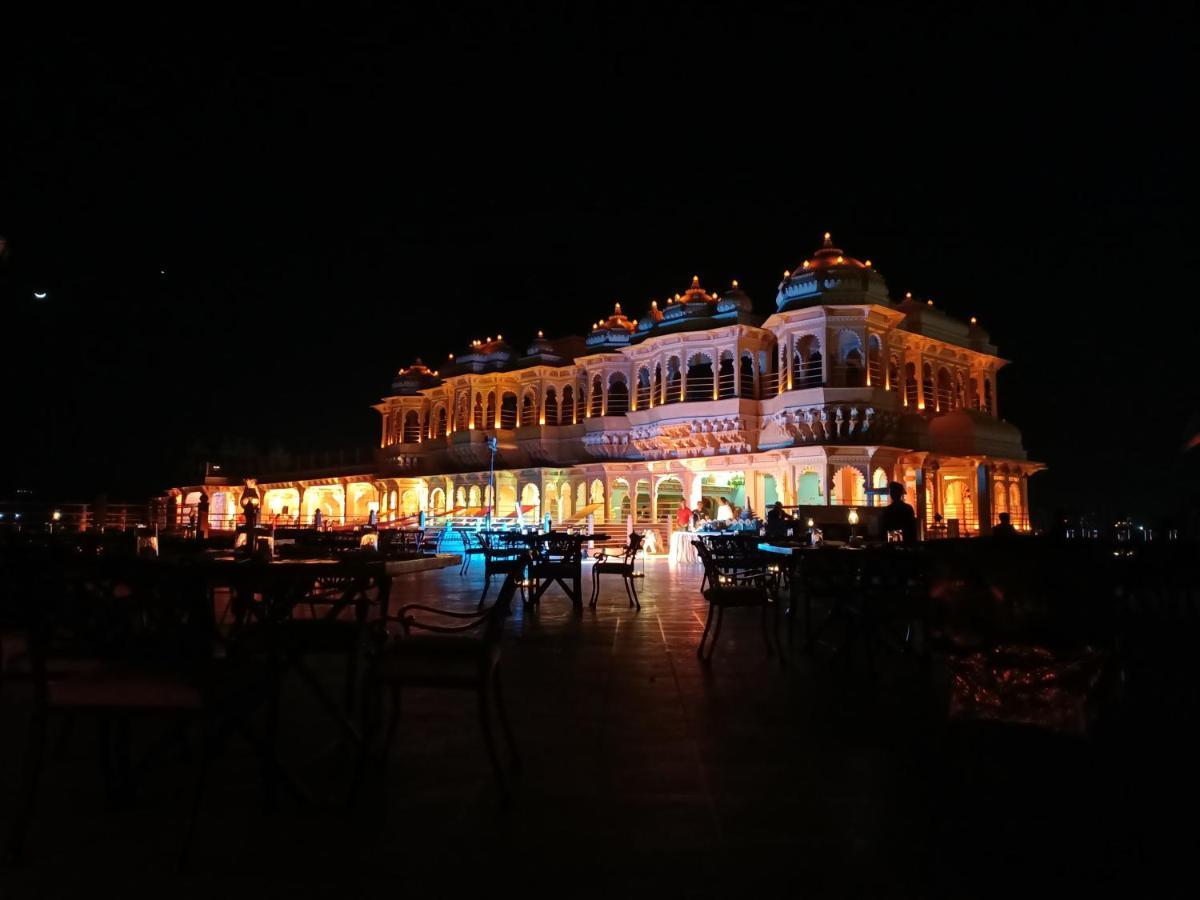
column 618, row 395
column 568, row 405
column 945, row 390
column 443, row 427
column 477, row 417
column 491, row 410
column 725, row 385
column 460, row 412
column 643, row 388
column 893, row 382
column 807, row 363
column 551, row 406
column 700, row 377
column 529, row 414
column 412, row 427
column 848, row 488
column 912, row 396
column 875, row 361
column 508, row 410
column 850, row 357
column 973, row 393
column 674, row 381
column 747, row 376
column 658, row 384
column 597, row 399
column 927, row 396
column 987, row 395
column 879, row 481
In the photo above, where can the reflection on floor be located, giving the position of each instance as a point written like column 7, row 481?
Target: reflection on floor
column 646, row 772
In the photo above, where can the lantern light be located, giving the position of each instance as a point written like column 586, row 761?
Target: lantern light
column 852, row 516
column 867, row 264
column 787, row 274
column 735, row 282
column 929, row 302
column 973, row 320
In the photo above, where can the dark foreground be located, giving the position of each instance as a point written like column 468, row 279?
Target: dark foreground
column 648, row 773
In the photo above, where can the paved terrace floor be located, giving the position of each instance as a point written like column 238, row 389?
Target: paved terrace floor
column 646, row 773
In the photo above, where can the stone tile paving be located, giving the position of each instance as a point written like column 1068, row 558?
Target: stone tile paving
column 646, row 772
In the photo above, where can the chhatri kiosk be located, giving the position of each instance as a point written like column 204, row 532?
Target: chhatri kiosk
column 839, row 391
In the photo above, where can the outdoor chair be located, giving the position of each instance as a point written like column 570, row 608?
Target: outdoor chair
column 503, row 555
column 442, row 649
column 620, row 564
column 728, row 589
column 472, row 546
column 131, row 643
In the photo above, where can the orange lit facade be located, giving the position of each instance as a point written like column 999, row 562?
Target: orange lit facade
column 838, row 392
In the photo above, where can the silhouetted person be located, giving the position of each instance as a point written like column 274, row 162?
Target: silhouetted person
column 202, row 517
column 938, row 528
column 777, row 520
column 1005, row 528
column 899, row 516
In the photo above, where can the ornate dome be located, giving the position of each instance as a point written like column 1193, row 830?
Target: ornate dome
column 413, row 379
column 830, row 276
column 615, row 330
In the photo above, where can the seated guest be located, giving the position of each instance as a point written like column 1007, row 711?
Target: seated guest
column 1005, row 528
column 777, row 520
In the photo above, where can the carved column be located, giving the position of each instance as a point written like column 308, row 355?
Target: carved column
column 983, row 497
column 919, row 487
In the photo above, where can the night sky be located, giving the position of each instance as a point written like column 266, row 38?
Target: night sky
column 244, row 228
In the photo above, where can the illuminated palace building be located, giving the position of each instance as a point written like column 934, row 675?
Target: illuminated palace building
column 838, row 392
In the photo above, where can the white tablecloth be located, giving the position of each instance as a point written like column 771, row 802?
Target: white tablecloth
column 682, row 551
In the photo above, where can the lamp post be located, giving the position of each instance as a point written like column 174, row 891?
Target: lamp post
column 492, row 445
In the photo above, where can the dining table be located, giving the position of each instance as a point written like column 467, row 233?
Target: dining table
column 557, row 557
column 681, row 552
column 297, row 607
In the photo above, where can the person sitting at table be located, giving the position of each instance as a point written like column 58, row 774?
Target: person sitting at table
column 777, row 521
column 899, row 515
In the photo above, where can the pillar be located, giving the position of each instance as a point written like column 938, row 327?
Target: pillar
column 1023, row 481
column 983, row 497
column 919, row 486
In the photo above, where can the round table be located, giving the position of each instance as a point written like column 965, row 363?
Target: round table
column 682, row 552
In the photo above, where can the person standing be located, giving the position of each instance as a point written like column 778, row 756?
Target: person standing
column 724, row 511
column 899, row 515
column 202, row 517
column 683, row 517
